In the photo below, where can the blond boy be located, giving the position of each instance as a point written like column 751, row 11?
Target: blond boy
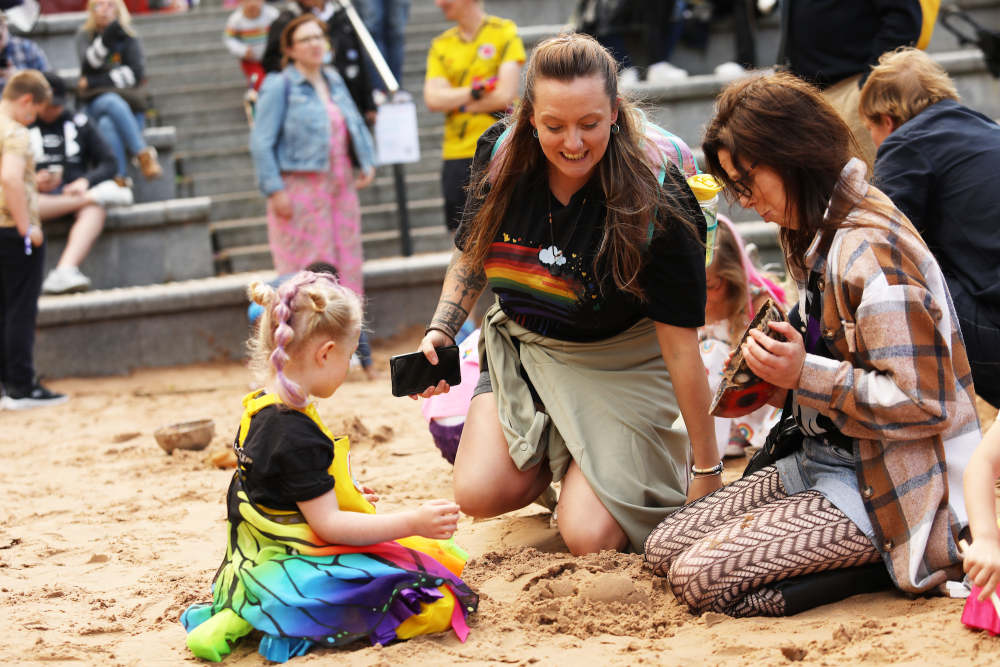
column 22, row 244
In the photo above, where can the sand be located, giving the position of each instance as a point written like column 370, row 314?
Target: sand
column 104, row 540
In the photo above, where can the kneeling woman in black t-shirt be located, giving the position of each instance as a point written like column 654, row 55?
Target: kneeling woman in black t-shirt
column 592, row 347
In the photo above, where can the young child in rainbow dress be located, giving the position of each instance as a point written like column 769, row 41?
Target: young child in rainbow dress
column 308, row 561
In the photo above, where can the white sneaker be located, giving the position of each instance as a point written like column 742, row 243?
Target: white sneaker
column 109, row 193
column 730, row 70
column 379, row 97
column 664, row 72
column 65, row 280
column 628, row 76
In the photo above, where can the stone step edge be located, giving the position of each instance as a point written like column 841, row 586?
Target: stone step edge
column 223, row 291
column 216, row 292
column 145, row 216
column 412, row 205
column 368, row 237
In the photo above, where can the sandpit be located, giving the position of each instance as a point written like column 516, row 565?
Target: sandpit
column 105, row 539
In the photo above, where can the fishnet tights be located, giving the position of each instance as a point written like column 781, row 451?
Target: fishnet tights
column 721, row 552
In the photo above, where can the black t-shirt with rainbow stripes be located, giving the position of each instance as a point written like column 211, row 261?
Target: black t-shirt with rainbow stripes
column 566, row 297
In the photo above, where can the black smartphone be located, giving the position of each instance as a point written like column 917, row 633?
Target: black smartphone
column 413, row 374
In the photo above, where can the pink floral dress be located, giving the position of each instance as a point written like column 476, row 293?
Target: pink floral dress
column 326, row 216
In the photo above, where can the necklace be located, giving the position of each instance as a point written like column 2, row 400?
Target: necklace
column 552, row 257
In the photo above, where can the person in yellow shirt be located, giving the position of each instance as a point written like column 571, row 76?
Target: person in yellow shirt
column 473, row 71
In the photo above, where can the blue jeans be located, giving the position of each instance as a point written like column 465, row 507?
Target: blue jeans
column 386, row 21
column 119, row 125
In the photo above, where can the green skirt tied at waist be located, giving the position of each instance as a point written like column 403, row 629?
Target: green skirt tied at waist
column 609, row 405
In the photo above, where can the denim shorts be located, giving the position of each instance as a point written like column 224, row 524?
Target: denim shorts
column 829, row 469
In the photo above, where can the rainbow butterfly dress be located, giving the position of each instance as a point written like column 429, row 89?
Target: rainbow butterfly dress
column 282, row 579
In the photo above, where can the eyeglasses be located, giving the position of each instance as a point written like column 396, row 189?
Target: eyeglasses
column 740, row 187
column 309, row 39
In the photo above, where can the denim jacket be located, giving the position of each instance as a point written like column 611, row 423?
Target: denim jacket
column 292, row 129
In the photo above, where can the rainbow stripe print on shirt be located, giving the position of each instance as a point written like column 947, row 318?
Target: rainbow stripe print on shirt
column 249, row 36
column 529, row 292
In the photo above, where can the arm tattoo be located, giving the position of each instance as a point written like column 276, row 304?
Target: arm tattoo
column 469, row 282
column 450, row 316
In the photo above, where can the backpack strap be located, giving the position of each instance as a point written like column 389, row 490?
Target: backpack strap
column 501, row 140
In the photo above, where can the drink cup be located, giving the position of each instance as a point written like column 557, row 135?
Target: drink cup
column 707, row 189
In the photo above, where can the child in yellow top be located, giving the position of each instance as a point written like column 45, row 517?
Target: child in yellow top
column 308, row 561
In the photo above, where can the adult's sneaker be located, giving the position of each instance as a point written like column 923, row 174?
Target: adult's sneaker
column 35, row 396
column 109, row 193
column 65, row 279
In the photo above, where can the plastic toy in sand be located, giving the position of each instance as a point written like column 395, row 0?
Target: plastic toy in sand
column 981, row 615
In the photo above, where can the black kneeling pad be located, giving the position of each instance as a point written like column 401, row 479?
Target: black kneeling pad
column 814, row 590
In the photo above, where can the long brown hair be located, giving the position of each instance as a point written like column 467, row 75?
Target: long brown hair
column 783, row 123
column 728, row 265
column 288, row 33
column 625, row 175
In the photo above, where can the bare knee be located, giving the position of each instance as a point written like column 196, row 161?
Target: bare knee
column 582, row 541
column 592, row 535
column 470, row 497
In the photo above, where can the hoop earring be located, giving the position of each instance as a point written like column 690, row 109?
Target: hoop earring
column 534, row 133
column 614, row 128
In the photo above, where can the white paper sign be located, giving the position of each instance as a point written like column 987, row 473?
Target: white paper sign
column 396, row 133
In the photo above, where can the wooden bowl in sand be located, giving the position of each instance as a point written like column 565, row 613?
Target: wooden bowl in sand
column 185, row 435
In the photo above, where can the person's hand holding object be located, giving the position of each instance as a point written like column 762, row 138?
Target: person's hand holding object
column 432, row 340
column 773, row 361
column 982, row 564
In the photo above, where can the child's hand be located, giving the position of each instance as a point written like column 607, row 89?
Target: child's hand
column 369, row 495
column 436, row 519
column 982, row 564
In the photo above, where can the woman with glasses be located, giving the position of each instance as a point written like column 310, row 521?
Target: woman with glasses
column 881, row 391
column 312, row 152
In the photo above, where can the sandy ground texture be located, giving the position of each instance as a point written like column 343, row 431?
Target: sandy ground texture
column 104, row 540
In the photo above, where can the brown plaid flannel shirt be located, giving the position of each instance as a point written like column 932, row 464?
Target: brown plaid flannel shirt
column 900, row 386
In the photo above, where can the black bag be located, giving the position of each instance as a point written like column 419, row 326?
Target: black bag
column 783, row 439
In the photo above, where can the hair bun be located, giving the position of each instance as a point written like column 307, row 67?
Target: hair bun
column 261, row 293
column 317, row 300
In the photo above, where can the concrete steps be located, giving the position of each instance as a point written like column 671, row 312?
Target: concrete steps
column 144, row 244
column 111, row 332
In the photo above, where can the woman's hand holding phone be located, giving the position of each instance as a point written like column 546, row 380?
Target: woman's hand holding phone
column 432, row 340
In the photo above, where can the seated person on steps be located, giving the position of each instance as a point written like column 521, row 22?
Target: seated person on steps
column 938, row 161
column 18, row 53
column 75, row 172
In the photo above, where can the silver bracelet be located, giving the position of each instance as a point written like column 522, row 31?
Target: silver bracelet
column 708, row 472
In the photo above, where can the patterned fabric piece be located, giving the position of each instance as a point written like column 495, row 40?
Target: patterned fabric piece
column 900, row 385
column 25, row 54
column 285, row 581
column 280, row 577
column 326, row 215
column 721, row 552
column 15, row 140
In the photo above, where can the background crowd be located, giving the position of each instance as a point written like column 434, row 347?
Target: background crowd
column 858, row 148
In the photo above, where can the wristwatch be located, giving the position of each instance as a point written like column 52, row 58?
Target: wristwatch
column 477, row 91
